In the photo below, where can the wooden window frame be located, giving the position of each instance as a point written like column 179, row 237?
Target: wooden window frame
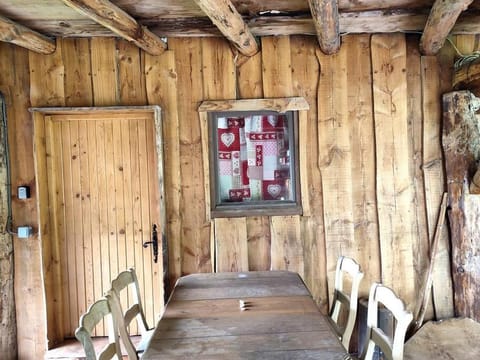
column 298, row 107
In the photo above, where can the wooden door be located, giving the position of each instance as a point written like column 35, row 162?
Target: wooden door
column 103, row 170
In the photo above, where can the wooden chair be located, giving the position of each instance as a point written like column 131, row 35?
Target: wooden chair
column 96, row 313
column 341, row 299
column 392, row 348
column 126, row 279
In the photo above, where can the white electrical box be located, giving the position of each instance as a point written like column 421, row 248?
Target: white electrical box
column 23, row 192
column 24, row 232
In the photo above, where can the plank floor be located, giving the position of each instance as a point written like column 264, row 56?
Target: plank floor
column 72, row 349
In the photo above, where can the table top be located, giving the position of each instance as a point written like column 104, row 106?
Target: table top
column 204, row 320
column 456, row 338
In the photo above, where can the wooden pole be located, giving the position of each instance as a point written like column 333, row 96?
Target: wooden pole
column 22, row 36
column 230, row 23
column 326, row 19
column 112, row 17
column 440, row 22
column 8, row 325
column 429, row 277
column 462, row 151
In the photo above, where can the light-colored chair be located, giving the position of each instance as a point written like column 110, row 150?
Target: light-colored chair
column 391, row 348
column 124, row 280
column 95, row 314
column 341, row 299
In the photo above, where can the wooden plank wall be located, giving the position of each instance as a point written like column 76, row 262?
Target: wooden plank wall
column 371, row 142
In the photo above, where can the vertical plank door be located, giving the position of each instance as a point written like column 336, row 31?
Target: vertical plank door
column 105, row 193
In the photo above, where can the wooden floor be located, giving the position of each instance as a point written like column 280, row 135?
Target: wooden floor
column 72, row 349
column 452, row 339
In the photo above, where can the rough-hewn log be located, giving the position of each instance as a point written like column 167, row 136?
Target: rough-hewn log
column 440, row 22
column 8, row 325
column 468, row 78
column 461, row 144
column 325, row 18
column 351, row 22
column 230, row 23
column 121, row 23
column 22, row 36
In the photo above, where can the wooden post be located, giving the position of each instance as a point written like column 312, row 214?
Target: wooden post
column 326, row 20
column 22, row 36
column 461, row 144
column 440, row 22
column 8, row 326
column 467, row 77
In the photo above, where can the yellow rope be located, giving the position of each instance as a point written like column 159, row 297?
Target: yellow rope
column 463, row 59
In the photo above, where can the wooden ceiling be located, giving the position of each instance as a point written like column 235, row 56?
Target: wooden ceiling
column 35, row 24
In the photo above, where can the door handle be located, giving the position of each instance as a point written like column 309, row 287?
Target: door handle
column 154, row 243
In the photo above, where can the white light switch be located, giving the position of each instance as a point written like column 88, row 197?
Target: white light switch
column 23, row 192
column 24, row 232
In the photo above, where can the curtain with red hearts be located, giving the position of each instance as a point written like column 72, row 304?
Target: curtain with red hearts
column 253, row 158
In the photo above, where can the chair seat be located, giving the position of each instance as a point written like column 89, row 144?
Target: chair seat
column 142, row 345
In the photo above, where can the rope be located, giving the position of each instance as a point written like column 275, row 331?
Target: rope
column 463, row 59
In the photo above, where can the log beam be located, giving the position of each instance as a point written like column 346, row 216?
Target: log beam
column 440, row 22
column 8, row 324
column 112, row 17
column 462, row 152
column 326, row 19
column 22, row 36
column 230, row 23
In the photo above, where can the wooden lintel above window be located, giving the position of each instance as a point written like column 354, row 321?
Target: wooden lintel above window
column 121, row 23
column 22, row 36
column 230, row 23
column 280, row 105
column 326, row 20
column 440, row 22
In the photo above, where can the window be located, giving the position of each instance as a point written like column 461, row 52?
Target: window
column 253, row 162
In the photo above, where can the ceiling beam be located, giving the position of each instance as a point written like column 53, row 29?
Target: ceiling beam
column 22, row 36
column 326, row 21
column 230, row 23
column 440, row 22
column 120, row 22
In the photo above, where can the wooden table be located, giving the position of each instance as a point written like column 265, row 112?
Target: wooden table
column 450, row 339
column 203, row 320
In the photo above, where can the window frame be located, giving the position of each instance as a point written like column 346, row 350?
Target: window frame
column 209, row 111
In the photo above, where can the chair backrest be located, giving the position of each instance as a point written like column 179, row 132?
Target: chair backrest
column 95, row 314
column 345, row 265
column 391, row 348
column 126, row 279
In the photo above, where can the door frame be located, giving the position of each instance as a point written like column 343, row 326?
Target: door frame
column 51, row 265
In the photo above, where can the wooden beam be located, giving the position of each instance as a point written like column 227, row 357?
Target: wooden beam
column 230, row 23
column 461, row 149
column 326, row 20
column 440, row 22
column 8, row 324
column 22, row 36
column 112, row 17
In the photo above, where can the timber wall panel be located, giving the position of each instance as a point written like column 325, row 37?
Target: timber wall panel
column 434, row 184
column 286, row 241
column 250, row 86
column 335, row 157
column 305, row 80
column 365, row 243
column 371, row 129
column 161, row 77
column 415, row 123
column 195, row 237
